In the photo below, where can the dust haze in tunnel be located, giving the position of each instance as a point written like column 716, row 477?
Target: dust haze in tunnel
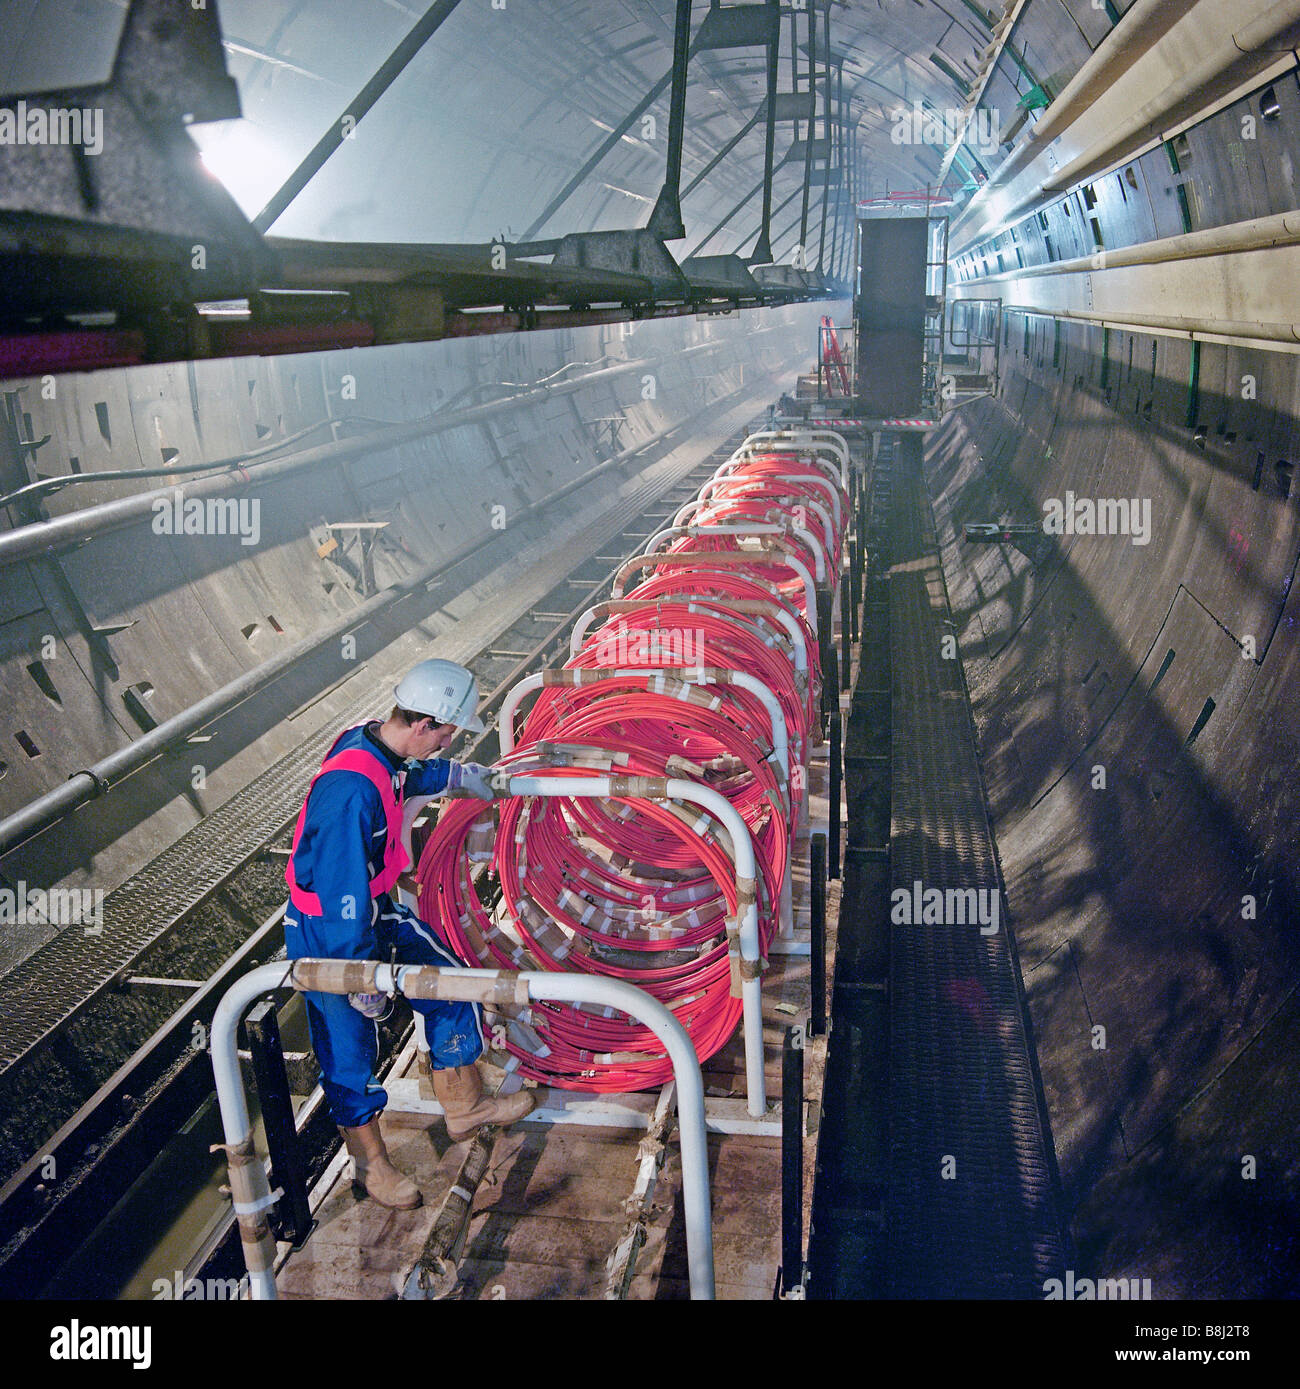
column 147, row 622
column 506, row 101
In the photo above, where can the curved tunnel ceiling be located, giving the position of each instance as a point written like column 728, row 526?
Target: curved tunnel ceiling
column 500, row 107
column 496, row 112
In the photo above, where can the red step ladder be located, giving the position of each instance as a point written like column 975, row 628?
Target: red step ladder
column 831, row 353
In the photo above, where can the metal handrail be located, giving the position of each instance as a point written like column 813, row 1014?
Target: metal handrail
column 249, row 1187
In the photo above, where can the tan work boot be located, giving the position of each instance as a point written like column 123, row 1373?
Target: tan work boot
column 375, row 1175
column 460, row 1092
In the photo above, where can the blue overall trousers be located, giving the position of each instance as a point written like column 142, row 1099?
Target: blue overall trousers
column 340, row 851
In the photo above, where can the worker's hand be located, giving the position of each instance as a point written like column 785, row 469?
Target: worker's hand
column 371, row 1005
column 471, row 777
column 499, row 780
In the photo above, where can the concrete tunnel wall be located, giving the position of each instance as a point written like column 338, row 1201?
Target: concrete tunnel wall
column 155, row 622
column 1162, row 907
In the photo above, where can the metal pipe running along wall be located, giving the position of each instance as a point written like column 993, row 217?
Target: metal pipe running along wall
column 62, row 532
column 696, row 687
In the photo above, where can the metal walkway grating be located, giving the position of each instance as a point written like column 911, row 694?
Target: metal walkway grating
column 37, row 995
column 972, row 1208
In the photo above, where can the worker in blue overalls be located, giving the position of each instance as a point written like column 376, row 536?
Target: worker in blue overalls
column 347, row 855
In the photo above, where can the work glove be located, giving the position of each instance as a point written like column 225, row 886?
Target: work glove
column 370, row 1005
column 470, row 777
column 499, row 780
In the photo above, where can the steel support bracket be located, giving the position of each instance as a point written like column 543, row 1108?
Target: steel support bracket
column 128, row 166
column 721, row 275
column 1031, row 540
column 791, row 106
column 738, row 26
column 786, row 277
column 636, row 252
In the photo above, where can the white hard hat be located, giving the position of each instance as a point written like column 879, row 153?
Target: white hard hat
column 442, row 690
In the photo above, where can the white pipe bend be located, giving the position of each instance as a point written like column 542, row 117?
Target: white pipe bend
column 777, row 557
column 543, row 986
column 830, row 469
column 828, row 438
column 780, row 503
column 802, row 439
column 779, row 615
column 820, row 550
column 758, row 485
column 746, row 866
column 834, row 467
column 688, row 675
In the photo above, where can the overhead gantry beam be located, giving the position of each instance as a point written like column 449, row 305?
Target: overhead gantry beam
column 389, row 71
column 100, row 263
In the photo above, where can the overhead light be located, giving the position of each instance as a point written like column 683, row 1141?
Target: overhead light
column 626, row 192
column 243, row 159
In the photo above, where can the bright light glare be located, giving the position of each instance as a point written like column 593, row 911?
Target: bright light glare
column 243, row 159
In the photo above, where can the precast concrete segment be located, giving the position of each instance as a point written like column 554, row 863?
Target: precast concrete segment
column 972, row 1209
column 1155, row 913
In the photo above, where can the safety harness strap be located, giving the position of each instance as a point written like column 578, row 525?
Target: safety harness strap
column 395, row 859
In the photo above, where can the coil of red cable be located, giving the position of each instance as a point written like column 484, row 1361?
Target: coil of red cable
column 644, row 890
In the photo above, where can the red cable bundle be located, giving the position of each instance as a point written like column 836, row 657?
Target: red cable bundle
column 718, row 636
column 767, row 565
column 635, row 889
column 565, row 906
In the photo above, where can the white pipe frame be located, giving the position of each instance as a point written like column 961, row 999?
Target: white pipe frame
column 742, row 488
column 827, row 474
column 780, row 504
column 822, row 437
column 832, row 470
column 821, row 555
column 825, row 438
column 799, row 441
column 785, row 619
column 823, row 454
column 746, row 866
column 248, row 1182
column 779, row 557
column 746, row 486
column 686, row 675
column 799, row 437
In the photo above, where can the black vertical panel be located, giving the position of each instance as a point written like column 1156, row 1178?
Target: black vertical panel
column 891, row 315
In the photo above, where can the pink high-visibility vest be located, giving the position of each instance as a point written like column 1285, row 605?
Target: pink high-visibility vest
column 395, row 859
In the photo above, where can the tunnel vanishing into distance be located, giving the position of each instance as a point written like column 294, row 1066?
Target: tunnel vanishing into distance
column 335, row 338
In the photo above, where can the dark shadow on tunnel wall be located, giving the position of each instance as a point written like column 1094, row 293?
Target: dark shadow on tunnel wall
column 1141, row 767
